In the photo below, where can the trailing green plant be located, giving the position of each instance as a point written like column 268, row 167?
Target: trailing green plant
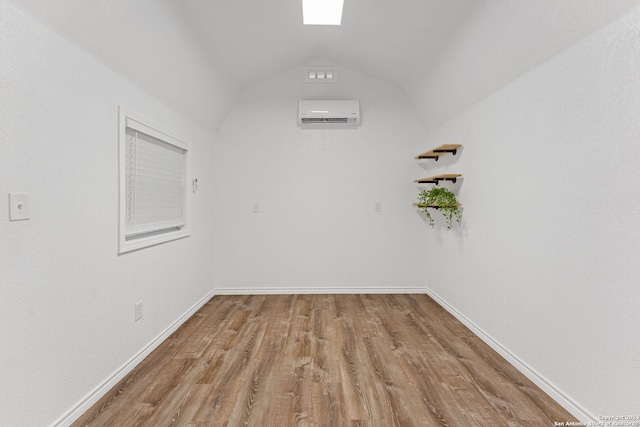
column 443, row 200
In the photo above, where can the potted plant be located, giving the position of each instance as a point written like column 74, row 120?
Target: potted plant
column 442, row 199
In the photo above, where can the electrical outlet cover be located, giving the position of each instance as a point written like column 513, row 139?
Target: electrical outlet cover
column 18, row 206
column 138, row 311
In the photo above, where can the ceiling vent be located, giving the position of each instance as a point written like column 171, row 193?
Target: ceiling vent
column 325, row 112
column 321, row 74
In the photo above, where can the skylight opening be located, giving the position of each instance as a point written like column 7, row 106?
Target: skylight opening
column 322, row 12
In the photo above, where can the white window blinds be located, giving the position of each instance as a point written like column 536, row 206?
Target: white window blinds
column 154, row 200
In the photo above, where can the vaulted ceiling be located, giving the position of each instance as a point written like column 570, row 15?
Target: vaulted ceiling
column 196, row 55
column 445, row 54
column 397, row 40
column 386, row 39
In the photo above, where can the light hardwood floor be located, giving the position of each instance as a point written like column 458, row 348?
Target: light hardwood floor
column 324, row 360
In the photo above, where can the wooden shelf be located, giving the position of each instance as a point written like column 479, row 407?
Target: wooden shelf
column 453, row 177
column 422, row 205
column 439, row 151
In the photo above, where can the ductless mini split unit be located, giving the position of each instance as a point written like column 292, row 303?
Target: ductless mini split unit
column 321, row 113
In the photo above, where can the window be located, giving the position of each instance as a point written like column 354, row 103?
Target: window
column 154, row 171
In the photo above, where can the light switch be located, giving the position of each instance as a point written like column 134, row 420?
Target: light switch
column 18, row 206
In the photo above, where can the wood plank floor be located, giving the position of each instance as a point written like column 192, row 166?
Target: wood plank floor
column 324, row 360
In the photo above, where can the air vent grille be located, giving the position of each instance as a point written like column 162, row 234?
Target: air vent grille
column 327, row 113
column 327, row 120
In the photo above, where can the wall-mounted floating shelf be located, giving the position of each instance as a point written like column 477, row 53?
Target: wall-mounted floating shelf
column 439, row 151
column 439, row 197
column 453, row 177
column 421, row 205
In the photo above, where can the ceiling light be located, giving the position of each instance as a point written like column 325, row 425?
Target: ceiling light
column 322, row 12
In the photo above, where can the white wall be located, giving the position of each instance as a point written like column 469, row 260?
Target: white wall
column 547, row 263
column 151, row 43
column 498, row 42
column 67, row 300
column 550, row 273
column 317, row 230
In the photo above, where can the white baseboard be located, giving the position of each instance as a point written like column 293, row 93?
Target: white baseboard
column 315, row 290
column 545, row 385
column 97, row 393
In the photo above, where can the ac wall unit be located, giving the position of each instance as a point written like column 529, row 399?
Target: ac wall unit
column 326, row 112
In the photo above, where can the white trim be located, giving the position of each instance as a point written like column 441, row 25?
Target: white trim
column 315, row 290
column 133, row 121
column 547, row 386
column 128, row 118
column 97, row 393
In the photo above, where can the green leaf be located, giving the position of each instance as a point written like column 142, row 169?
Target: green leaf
column 446, row 202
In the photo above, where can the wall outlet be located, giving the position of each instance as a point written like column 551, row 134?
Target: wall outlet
column 18, row 206
column 138, row 311
column 377, row 207
column 255, row 208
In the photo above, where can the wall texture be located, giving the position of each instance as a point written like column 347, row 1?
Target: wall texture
column 500, row 41
column 317, row 230
column 153, row 44
column 546, row 263
column 66, row 298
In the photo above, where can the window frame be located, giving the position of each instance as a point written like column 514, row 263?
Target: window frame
column 132, row 120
